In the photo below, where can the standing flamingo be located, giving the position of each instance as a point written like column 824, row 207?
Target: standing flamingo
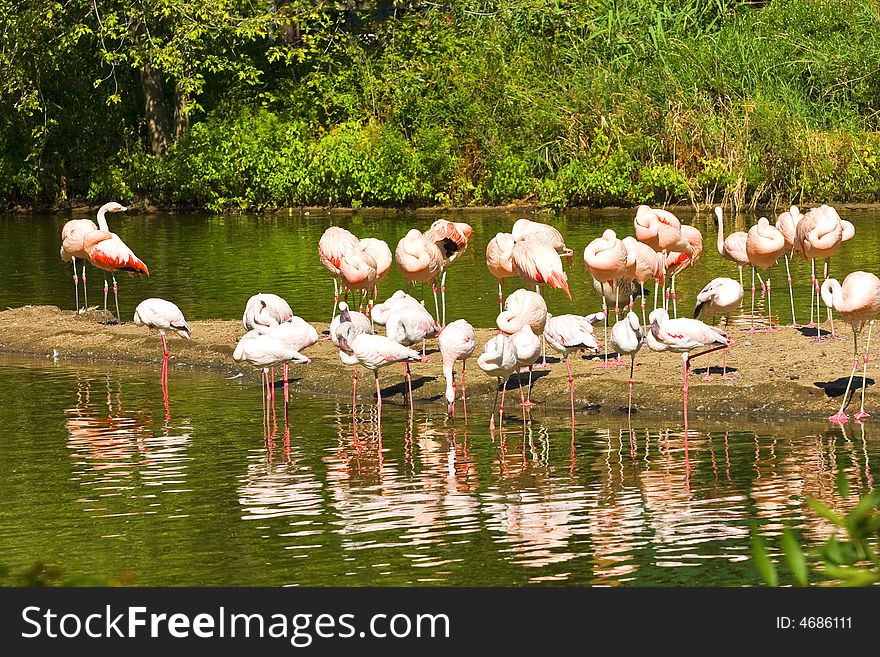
column 527, row 347
column 721, row 296
column 162, row 316
column 419, row 261
column 398, row 300
column 452, row 240
column 857, row 301
column 362, row 324
column 606, row 258
column 536, row 263
column 335, row 242
column 296, row 333
column 661, row 230
column 265, row 310
column 642, row 264
column 408, row 325
column 819, row 235
column 499, row 360
column 521, row 308
column 457, row 342
column 682, row 336
column 381, row 254
column 524, row 228
column 676, row 262
column 72, row 247
column 374, row 352
column 787, row 224
column 499, row 260
column 733, row 247
column 106, row 251
column 567, row 334
column 627, row 337
column 764, row 244
column 358, row 272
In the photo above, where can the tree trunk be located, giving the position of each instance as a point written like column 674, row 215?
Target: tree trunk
column 154, row 105
column 181, row 115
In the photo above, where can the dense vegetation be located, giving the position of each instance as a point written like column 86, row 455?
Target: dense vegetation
column 241, row 104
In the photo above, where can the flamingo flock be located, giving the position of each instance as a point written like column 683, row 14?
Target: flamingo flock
column 660, row 249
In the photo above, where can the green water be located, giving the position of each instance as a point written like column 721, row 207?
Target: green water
column 99, row 479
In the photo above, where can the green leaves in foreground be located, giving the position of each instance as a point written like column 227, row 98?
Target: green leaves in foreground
column 848, row 558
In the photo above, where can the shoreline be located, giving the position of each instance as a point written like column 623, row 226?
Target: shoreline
column 779, row 375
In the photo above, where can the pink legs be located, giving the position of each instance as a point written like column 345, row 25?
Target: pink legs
column 605, row 326
column 116, row 298
column 752, row 328
column 76, row 283
column 464, row 389
column 861, row 414
column 840, row 417
column 629, row 385
column 570, row 387
column 500, row 298
column 85, row 287
column 443, row 296
column 378, row 402
column 408, row 376
column 790, row 292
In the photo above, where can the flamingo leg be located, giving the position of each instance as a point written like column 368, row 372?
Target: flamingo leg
column 501, row 408
column 500, row 301
column 408, row 385
column 825, row 278
column 724, row 376
column 570, row 387
column 684, row 390
column 656, row 287
column 354, row 387
column 752, row 328
column 790, row 292
column 75, row 284
column 708, row 375
column 85, row 287
column 769, row 304
column 861, row 414
column 763, row 285
column 740, row 275
column 378, row 401
column 335, row 298
column 644, row 322
column 443, row 296
column 522, row 398
column 106, row 289
column 464, row 388
column 629, row 385
column 674, row 302
column 840, row 417
column 286, row 392
column 812, row 289
column 436, row 305
column 116, row 298
column 494, row 406
column 605, row 327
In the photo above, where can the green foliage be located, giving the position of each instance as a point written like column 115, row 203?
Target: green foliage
column 848, row 558
column 42, row 575
column 406, row 102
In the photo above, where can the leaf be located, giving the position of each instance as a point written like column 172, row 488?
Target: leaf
column 762, row 561
column 842, row 483
column 794, row 557
column 824, row 511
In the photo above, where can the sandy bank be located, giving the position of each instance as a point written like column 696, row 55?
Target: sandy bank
column 780, row 374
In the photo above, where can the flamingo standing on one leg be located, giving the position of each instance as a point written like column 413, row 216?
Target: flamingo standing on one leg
column 661, row 230
column 452, row 239
column 162, row 316
column 536, row 264
column 764, row 244
column 419, row 261
column 499, row 260
column 733, row 247
column 72, row 247
column 857, row 301
column 676, row 261
column 787, row 224
column 381, row 255
column 521, row 308
column 263, row 311
column 499, row 360
column 296, row 333
column 363, row 324
column 358, row 272
column 106, row 251
column 527, row 229
column 721, row 296
column 819, row 235
column 642, row 264
column 627, row 337
column 605, row 258
column 457, row 342
column 568, row 334
column 407, row 325
column 335, row 242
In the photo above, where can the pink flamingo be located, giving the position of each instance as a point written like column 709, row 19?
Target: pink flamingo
column 523, row 307
column 720, row 296
column 73, row 245
column 764, row 244
column 733, row 247
column 642, row 264
column 362, row 324
column 499, row 360
column 676, row 262
column 106, row 251
column 661, row 230
column 408, row 325
column 396, row 301
column 606, row 259
column 296, row 333
column 358, row 272
column 335, row 242
column 524, row 228
column 568, row 334
column 264, row 311
column 381, row 254
column 627, row 337
column 162, row 316
column 682, row 336
column 857, row 301
column 536, row 264
column 499, row 260
column 787, row 223
column 374, row 352
column 819, row 235
column 527, row 347
column 457, row 342
column 452, row 240
column 419, row 261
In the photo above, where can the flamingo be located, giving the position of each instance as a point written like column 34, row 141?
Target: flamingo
column 358, row 272
column 819, row 235
column 524, row 228
column 452, row 240
column 567, row 334
column 536, row 264
column 606, row 259
column 106, row 250
column 407, row 325
column 363, row 324
column 499, row 260
column 642, row 264
column 381, row 254
column 661, row 230
column 374, row 352
column 72, row 246
column 627, row 337
column 265, row 310
column 522, row 308
column 787, row 224
column 733, row 247
column 764, row 244
column 457, row 342
column 162, row 316
column 499, row 360
column 296, row 333
column 399, row 299
column 857, row 301
column 720, row 296
column 419, row 261
column 676, row 262
column 335, row 242
column 683, row 335
column 527, row 348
